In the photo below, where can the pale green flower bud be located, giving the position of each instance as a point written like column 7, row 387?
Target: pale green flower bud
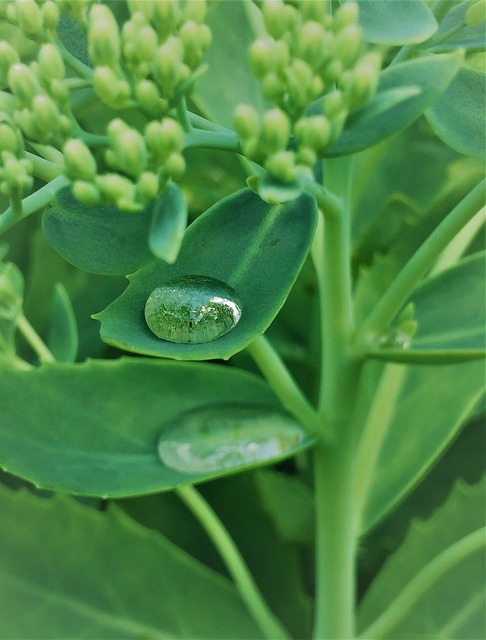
column 282, row 55
column 46, row 112
column 103, row 36
column 247, row 122
column 28, row 123
column 164, row 137
column 11, row 140
column 195, row 39
column 306, row 156
column 166, row 16
column 175, row 165
column 86, row 193
column 312, row 44
column 263, row 58
column 8, row 57
column 51, row 65
column 273, row 87
column 148, row 96
column 144, row 7
column 299, row 82
column 65, row 126
column 59, row 92
column 476, row 13
column 195, row 10
column 128, row 152
column 50, row 15
column 252, row 148
column 275, row 130
column 347, row 44
column 333, row 103
column 112, row 90
column 118, row 189
column 79, row 160
column 275, row 18
column 8, row 102
column 16, row 173
column 346, row 14
column 167, row 67
column 147, row 186
column 281, row 165
column 29, row 16
column 23, row 82
column 333, row 71
column 314, row 132
column 314, row 9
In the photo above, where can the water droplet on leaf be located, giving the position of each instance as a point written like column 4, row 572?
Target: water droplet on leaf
column 192, row 309
column 226, row 436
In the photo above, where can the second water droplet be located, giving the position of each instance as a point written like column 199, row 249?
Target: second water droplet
column 227, row 435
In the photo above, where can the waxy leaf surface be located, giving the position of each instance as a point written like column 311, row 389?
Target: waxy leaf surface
column 396, row 23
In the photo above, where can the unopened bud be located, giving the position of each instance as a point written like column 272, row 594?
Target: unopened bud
column 275, row 130
column 332, row 71
column 148, row 95
column 23, row 82
column 8, row 57
column 11, row 140
column 333, row 103
column 147, row 186
column 128, row 151
column 164, row 137
column 51, row 65
column 195, row 11
column 103, row 36
column 166, row 16
column 247, row 122
column 144, row 7
column 59, row 92
column 476, row 13
column 175, row 166
column 306, row 156
column 299, row 82
column 118, row 189
column 168, row 64
column 312, row 44
column 314, row 9
column 50, row 15
column 29, row 16
column 273, row 88
column 79, row 160
column 112, row 90
column 46, row 112
column 281, row 165
column 262, row 57
column 86, row 193
column 275, row 18
column 346, row 14
column 347, row 44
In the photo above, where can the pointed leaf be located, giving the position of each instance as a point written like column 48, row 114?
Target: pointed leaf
column 430, row 73
column 428, row 589
column 453, row 32
column 459, row 116
column 101, row 240
column 63, row 332
column 69, row 571
column 396, row 23
column 169, row 219
column 256, row 248
column 93, row 428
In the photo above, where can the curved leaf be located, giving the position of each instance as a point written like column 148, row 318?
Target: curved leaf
column 169, row 219
column 368, row 126
column 256, row 248
column 450, row 35
column 116, row 579
column 451, row 316
column 459, row 116
column 395, row 23
column 63, row 337
column 93, row 429
column 102, row 240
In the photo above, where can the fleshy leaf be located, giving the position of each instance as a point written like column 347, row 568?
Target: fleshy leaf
column 459, row 116
column 102, row 240
column 451, row 317
column 93, row 428
column 116, row 578
column 450, row 35
column 421, row 591
column 169, row 219
column 431, row 74
column 396, row 23
column 256, row 248
column 63, row 332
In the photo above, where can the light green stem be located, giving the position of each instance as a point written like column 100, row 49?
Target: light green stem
column 423, row 581
column 234, row 562
column 42, row 168
column 284, row 385
column 422, row 260
column 33, row 338
column 225, row 141
column 373, row 434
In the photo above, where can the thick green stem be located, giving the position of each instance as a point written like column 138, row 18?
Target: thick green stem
column 225, row 141
column 281, row 381
column 235, row 564
column 422, row 260
column 33, row 338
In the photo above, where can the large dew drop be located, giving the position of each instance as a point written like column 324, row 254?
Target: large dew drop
column 226, row 436
column 192, row 309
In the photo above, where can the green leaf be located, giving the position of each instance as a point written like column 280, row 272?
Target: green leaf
column 11, row 298
column 101, row 240
column 459, row 116
column 428, row 589
column 93, row 428
column 450, row 35
column 451, row 316
column 430, row 73
column 169, row 219
column 434, row 403
column 63, row 331
column 396, row 23
column 73, row 38
column 69, row 571
column 256, row 248
column 228, row 58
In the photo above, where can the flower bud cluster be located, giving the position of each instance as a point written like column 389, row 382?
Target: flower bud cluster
column 307, row 54
column 142, row 164
column 153, row 59
column 15, row 169
column 37, row 21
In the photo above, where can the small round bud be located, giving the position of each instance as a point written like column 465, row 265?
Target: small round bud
column 175, row 166
column 117, row 189
column 306, row 156
column 299, row 82
column 79, row 160
column 65, row 126
column 164, row 137
column 273, row 88
column 46, row 112
column 281, row 165
column 59, row 92
column 148, row 95
column 195, row 11
column 275, row 130
column 16, row 173
column 143, row 7
column 314, row 9
column 247, row 122
column 147, row 186
column 263, row 57
column 50, row 15
column 347, row 44
column 253, row 149
column 312, row 43
column 8, row 57
column 128, row 151
column 332, row 71
column 86, row 192
column 110, row 88
column 11, row 140
column 476, row 13
column 23, row 82
column 166, row 16
column 27, row 122
column 103, row 36
column 333, row 103
column 8, row 102
column 314, row 132
column 167, row 66
column 29, row 16
column 275, row 18
column 346, row 14
column 51, row 65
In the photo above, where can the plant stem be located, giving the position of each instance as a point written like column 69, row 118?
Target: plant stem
column 234, row 562
column 33, row 338
column 431, row 573
column 422, row 260
column 225, row 141
column 43, row 169
column 284, row 385
column 183, row 115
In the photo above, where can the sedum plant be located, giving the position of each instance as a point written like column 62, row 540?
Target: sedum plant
column 274, row 430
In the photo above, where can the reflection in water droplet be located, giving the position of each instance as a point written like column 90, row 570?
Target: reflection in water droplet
column 192, row 309
column 226, row 436
column 395, row 339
